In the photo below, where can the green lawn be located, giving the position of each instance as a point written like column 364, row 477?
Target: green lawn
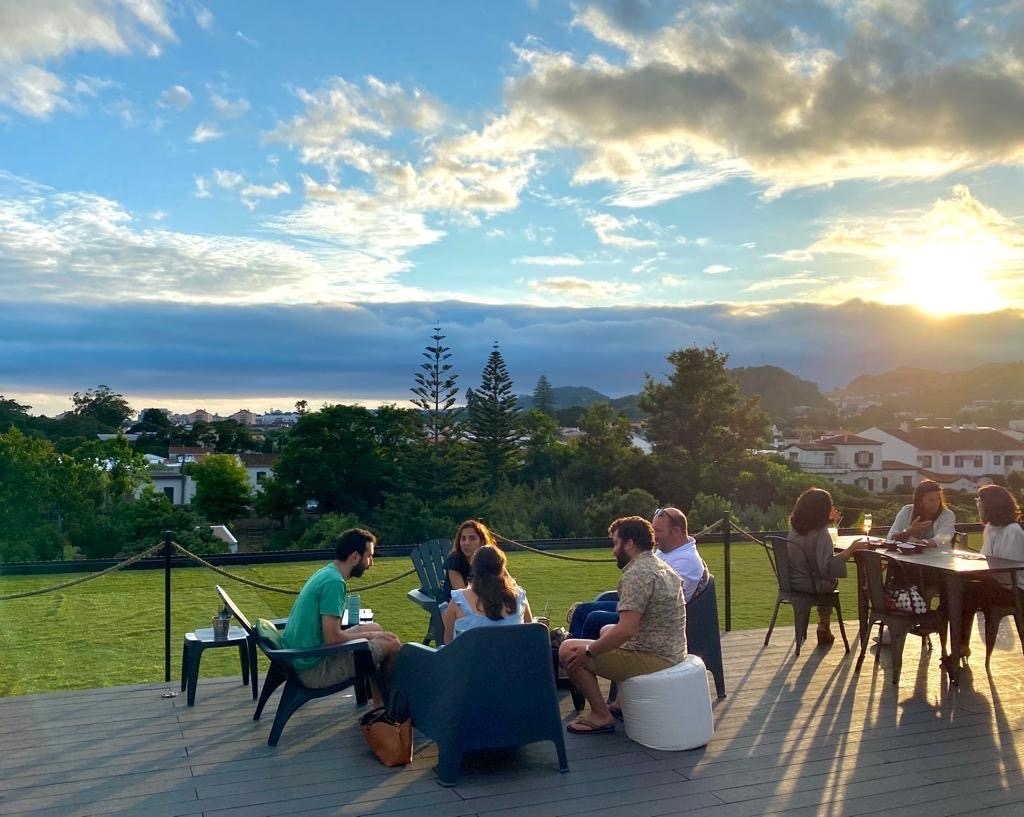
column 110, row 631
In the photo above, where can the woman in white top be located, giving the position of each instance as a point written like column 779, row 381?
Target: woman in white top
column 493, row 599
column 1003, row 537
column 926, row 521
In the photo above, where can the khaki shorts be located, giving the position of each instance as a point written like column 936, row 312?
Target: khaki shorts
column 619, row 664
column 337, row 668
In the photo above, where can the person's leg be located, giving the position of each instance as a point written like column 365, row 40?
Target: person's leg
column 584, row 679
column 584, row 609
column 596, row 620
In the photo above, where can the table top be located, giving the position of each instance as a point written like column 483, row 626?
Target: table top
column 235, row 634
column 954, row 561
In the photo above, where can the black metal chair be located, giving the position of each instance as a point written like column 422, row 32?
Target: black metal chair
column 282, row 671
column 900, row 624
column 428, row 558
column 777, row 549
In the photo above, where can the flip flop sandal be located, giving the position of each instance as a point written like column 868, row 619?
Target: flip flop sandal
column 617, row 714
column 585, row 727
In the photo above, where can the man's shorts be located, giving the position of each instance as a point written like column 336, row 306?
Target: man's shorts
column 619, row 664
column 337, row 668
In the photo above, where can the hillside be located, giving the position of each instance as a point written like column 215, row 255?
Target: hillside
column 779, row 390
column 924, row 389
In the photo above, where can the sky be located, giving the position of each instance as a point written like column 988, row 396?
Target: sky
column 243, row 204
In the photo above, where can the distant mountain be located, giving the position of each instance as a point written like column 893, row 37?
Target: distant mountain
column 566, row 396
column 927, row 390
column 779, row 390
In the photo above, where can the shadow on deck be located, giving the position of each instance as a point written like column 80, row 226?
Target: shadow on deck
column 803, row 737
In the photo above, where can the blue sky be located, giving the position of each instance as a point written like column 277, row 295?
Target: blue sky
column 256, row 202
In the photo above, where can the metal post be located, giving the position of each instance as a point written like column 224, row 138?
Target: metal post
column 726, row 542
column 167, row 606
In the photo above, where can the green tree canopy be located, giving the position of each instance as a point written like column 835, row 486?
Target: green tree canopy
column 109, row 408
column 222, row 487
column 436, row 390
column 701, row 428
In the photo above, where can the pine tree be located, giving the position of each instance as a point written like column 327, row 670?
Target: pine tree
column 436, row 391
column 543, row 397
column 493, row 420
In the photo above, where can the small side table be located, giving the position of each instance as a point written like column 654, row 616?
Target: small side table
column 202, row 639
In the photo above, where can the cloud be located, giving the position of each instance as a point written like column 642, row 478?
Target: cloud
column 80, row 247
column 784, row 95
column 610, row 231
column 249, row 41
column 369, row 351
column 252, row 193
column 717, row 269
column 205, row 133
column 802, row 278
column 37, row 33
column 229, row 109
column 227, row 179
column 204, row 18
column 801, row 256
column 958, row 252
column 582, row 288
column 177, row 96
column 564, row 260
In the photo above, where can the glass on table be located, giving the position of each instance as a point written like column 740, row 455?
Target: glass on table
column 866, row 524
column 943, row 542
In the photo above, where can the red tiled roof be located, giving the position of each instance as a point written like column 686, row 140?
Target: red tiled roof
column 966, row 439
column 849, row 439
column 893, row 465
column 812, row 446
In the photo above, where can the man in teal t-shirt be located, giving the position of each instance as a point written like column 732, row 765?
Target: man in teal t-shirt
column 315, row 618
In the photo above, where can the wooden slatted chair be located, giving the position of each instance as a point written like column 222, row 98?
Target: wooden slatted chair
column 428, row 558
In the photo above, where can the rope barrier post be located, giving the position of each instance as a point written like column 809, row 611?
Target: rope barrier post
column 167, row 606
column 726, row 543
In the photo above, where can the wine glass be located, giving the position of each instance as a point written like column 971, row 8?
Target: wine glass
column 866, row 525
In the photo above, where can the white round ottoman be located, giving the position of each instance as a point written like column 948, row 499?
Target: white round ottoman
column 669, row 709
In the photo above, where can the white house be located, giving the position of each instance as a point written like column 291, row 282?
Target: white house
column 259, row 467
column 952, row 450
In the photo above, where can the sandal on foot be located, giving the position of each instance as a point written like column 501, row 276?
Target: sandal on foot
column 616, row 713
column 581, row 726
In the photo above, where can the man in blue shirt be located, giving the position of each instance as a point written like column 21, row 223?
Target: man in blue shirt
column 315, row 618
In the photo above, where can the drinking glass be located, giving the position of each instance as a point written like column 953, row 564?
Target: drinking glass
column 866, row 524
column 943, row 542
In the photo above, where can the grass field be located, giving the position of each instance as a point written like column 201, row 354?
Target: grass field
column 109, row 631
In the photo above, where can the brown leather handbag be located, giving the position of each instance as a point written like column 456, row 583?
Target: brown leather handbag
column 388, row 735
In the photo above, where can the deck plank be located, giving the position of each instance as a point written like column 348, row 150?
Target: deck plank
column 797, row 736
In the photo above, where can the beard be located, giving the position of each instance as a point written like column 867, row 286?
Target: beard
column 621, row 559
column 358, row 570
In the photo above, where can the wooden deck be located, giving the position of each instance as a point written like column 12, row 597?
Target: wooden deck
column 802, row 737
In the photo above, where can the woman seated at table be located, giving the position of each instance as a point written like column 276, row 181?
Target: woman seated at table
column 926, row 521
column 470, row 537
column 493, row 599
column 813, row 567
column 1003, row 537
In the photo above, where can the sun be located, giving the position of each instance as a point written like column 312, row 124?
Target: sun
column 945, row 277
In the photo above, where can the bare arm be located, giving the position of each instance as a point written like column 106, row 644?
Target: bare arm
column 456, row 580
column 527, row 612
column 451, row 612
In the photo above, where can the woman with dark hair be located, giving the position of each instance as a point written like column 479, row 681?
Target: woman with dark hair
column 492, row 599
column 1002, row 537
column 927, row 520
column 813, row 567
column 470, row 537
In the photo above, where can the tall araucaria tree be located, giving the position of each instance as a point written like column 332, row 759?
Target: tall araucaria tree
column 436, row 391
column 494, row 421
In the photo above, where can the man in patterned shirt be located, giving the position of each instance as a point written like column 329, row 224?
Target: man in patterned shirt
column 649, row 636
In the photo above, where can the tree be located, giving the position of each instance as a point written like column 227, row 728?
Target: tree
column 700, row 426
column 436, row 391
column 347, row 457
column 31, row 493
column 301, row 407
column 607, row 456
column 493, row 424
column 544, row 397
column 13, row 414
column 222, row 487
column 109, row 408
